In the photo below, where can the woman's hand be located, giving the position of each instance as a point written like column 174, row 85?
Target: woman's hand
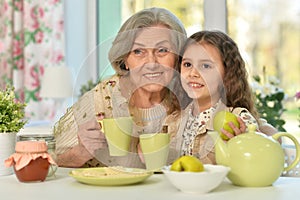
column 91, row 137
column 236, row 130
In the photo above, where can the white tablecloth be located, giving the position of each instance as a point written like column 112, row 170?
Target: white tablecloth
column 155, row 187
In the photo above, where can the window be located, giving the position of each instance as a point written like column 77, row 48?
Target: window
column 190, row 12
column 268, row 34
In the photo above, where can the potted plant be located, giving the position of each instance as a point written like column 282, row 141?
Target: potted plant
column 269, row 99
column 12, row 119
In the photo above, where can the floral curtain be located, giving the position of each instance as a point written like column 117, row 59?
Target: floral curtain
column 31, row 39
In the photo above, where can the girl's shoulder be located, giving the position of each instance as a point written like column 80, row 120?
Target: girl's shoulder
column 245, row 115
column 239, row 110
column 235, row 110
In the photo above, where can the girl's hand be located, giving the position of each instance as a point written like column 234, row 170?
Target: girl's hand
column 236, row 130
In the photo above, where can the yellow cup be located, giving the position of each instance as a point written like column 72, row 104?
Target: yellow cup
column 155, row 148
column 118, row 133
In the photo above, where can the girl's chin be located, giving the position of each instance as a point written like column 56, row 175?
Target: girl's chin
column 194, row 95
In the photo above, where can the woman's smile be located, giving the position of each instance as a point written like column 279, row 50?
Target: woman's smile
column 155, row 75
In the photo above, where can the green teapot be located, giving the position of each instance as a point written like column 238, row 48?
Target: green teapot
column 255, row 159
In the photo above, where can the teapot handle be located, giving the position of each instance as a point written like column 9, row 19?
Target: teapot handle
column 276, row 136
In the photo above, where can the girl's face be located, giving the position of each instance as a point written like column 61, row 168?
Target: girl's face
column 151, row 60
column 202, row 73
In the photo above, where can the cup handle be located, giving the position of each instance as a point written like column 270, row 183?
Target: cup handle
column 276, row 136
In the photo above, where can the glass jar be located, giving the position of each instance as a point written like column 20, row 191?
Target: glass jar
column 31, row 161
column 50, row 141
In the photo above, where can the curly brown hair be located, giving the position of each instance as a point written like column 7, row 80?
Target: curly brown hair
column 237, row 91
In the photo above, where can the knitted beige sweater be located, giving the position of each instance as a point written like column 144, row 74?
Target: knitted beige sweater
column 106, row 99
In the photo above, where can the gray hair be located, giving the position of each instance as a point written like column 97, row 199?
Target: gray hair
column 122, row 44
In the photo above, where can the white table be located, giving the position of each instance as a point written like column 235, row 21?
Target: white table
column 155, row 187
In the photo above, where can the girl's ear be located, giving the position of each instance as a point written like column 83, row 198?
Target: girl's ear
column 223, row 95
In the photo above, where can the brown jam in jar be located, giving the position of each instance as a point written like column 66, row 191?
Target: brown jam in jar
column 31, row 161
column 36, row 170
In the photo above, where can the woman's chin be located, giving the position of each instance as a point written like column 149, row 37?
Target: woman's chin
column 153, row 88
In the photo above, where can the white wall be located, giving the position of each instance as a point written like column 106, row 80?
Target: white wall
column 215, row 15
column 80, row 34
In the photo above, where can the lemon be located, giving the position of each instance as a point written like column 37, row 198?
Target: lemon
column 187, row 163
column 221, row 120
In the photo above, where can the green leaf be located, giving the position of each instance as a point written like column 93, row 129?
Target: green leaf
column 12, row 112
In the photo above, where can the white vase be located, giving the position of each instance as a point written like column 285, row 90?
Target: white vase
column 7, row 148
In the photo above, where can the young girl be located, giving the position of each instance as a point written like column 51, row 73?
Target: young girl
column 215, row 77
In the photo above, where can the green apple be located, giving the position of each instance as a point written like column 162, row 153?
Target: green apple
column 221, row 120
column 187, row 163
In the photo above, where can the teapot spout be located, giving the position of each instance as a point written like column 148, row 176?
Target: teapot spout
column 221, row 149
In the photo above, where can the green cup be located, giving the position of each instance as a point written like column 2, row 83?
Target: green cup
column 155, row 148
column 118, row 133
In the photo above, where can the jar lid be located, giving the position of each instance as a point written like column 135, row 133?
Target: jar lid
column 31, row 146
column 34, row 137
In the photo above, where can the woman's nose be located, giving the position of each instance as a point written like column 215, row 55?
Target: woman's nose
column 151, row 57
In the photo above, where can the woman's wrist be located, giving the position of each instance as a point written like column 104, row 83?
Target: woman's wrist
column 75, row 157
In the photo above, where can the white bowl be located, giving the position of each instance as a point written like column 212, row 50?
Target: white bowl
column 197, row 182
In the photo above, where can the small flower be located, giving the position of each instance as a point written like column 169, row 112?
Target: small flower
column 269, row 99
column 297, row 95
column 273, row 80
column 267, row 90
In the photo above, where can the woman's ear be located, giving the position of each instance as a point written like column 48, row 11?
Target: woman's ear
column 123, row 66
column 126, row 66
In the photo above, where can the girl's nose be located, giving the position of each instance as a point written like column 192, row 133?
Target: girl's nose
column 194, row 72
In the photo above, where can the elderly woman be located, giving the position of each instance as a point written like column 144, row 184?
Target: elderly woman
column 146, row 86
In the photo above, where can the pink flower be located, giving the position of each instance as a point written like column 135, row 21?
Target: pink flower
column 17, row 48
column 5, row 6
column 55, row 1
column 19, row 63
column 35, row 24
column 297, row 95
column 35, row 73
column 36, row 13
column 1, row 47
column 33, row 13
column 39, row 37
column 18, row 5
column 57, row 57
column 41, row 12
